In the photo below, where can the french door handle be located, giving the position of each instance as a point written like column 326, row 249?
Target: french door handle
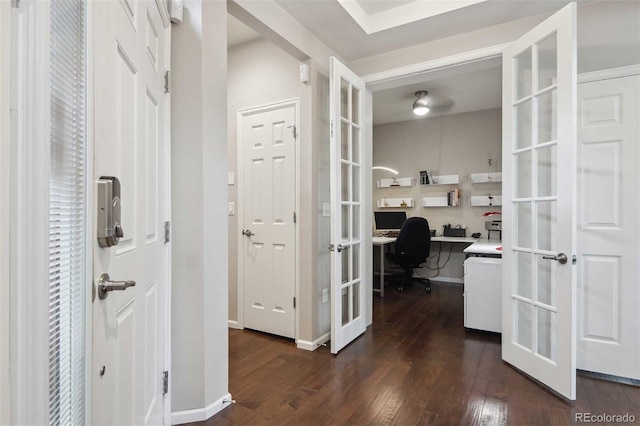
column 105, row 285
column 338, row 249
column 247, row 232
column 560, row 258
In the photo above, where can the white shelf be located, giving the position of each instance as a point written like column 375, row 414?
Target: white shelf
column 393, row 182
column 395, row 203
column 445, row 180
column 434, row 202
column 485, row 200
column 486, row 177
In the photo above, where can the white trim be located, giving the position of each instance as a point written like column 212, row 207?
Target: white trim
column 242, row 113
column 490, row 52
column 163, row 9
column 201, row 414
column 168, row 247
column 89, row 221
column 5, row 207
column 234, row 324
column 30, row 218
column 312, row 346
column 608, row 74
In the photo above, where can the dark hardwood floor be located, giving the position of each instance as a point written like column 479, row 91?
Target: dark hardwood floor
column 415, row 365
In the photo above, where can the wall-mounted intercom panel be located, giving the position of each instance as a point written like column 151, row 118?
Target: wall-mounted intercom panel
column 109, row 215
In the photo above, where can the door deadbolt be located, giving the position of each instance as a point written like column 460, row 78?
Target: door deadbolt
column 105, row 285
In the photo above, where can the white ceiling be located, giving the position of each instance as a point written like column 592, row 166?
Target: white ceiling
column 239, row 33
column 331, row 23
column 466, row 88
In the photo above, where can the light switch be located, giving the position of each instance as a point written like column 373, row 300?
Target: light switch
column 232, row 208
column 326, row 209
column 231, row 178
column 325, row 295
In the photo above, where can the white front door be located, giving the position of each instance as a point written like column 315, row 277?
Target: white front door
column 609, row 226
column 131, row 143
column 348, row 274
column 539, row 186
column 268, row 138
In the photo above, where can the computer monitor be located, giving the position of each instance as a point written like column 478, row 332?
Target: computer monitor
column 389, row 221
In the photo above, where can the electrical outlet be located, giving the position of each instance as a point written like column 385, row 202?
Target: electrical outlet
column 325, row 295
column 231, row 178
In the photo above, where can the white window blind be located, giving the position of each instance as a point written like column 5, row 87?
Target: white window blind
column 67, row 261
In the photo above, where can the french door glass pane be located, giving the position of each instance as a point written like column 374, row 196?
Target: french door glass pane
column 345, row 182
column 355, row 253
column 345, row 223
column 546, row 339
column 355, row 293
column 522, row 114
column 345, row 305
column 523, row 323
column 344, row 140
column 545, row 280
column 355, row 145
column 355, row 189
column 547, row 117
column 523, row 175
column 547, row 171
column 523, row 274
column 344, row 254
column 354, row 105
column 523, row 74
column 547, row 61
column 522, row 213
column 546, row 218
column 344, row 99
column 355, row 223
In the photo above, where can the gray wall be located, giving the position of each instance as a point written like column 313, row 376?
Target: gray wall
column 455, row 144
column 199, row 207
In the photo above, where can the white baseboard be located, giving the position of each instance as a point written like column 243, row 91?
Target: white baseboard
column 312, row 346
column 200, row 414
column 235, row 325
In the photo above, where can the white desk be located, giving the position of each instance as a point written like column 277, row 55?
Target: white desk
column 383, row 241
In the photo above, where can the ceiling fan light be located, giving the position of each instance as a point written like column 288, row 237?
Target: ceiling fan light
column 421, row 105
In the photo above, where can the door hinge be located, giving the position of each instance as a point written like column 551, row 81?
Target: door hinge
column 294, row 217
column 294, row 302
column 167, row 232
column 294, row 130
column 165, row 382
column 167, row 82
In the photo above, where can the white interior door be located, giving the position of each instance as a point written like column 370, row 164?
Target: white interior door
column 268, row 137
column 609, row 226
column 348, row 274
column 539, row 154
column 130, row 110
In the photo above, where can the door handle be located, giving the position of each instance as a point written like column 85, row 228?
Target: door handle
column 247, row 232
column 560, row 258
column 105, row 285
column 339, row 248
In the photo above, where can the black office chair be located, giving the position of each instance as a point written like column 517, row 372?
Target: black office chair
column 412, row 250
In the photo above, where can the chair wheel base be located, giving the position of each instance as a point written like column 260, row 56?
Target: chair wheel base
column 400, row 289
column 428, row 289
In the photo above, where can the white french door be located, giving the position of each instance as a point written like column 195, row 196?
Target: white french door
column 539, row 151
column 131, row 143
column 348, row 272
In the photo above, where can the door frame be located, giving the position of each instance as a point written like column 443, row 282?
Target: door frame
column 242, row 114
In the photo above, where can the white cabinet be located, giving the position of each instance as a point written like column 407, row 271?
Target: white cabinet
column 482, row 293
